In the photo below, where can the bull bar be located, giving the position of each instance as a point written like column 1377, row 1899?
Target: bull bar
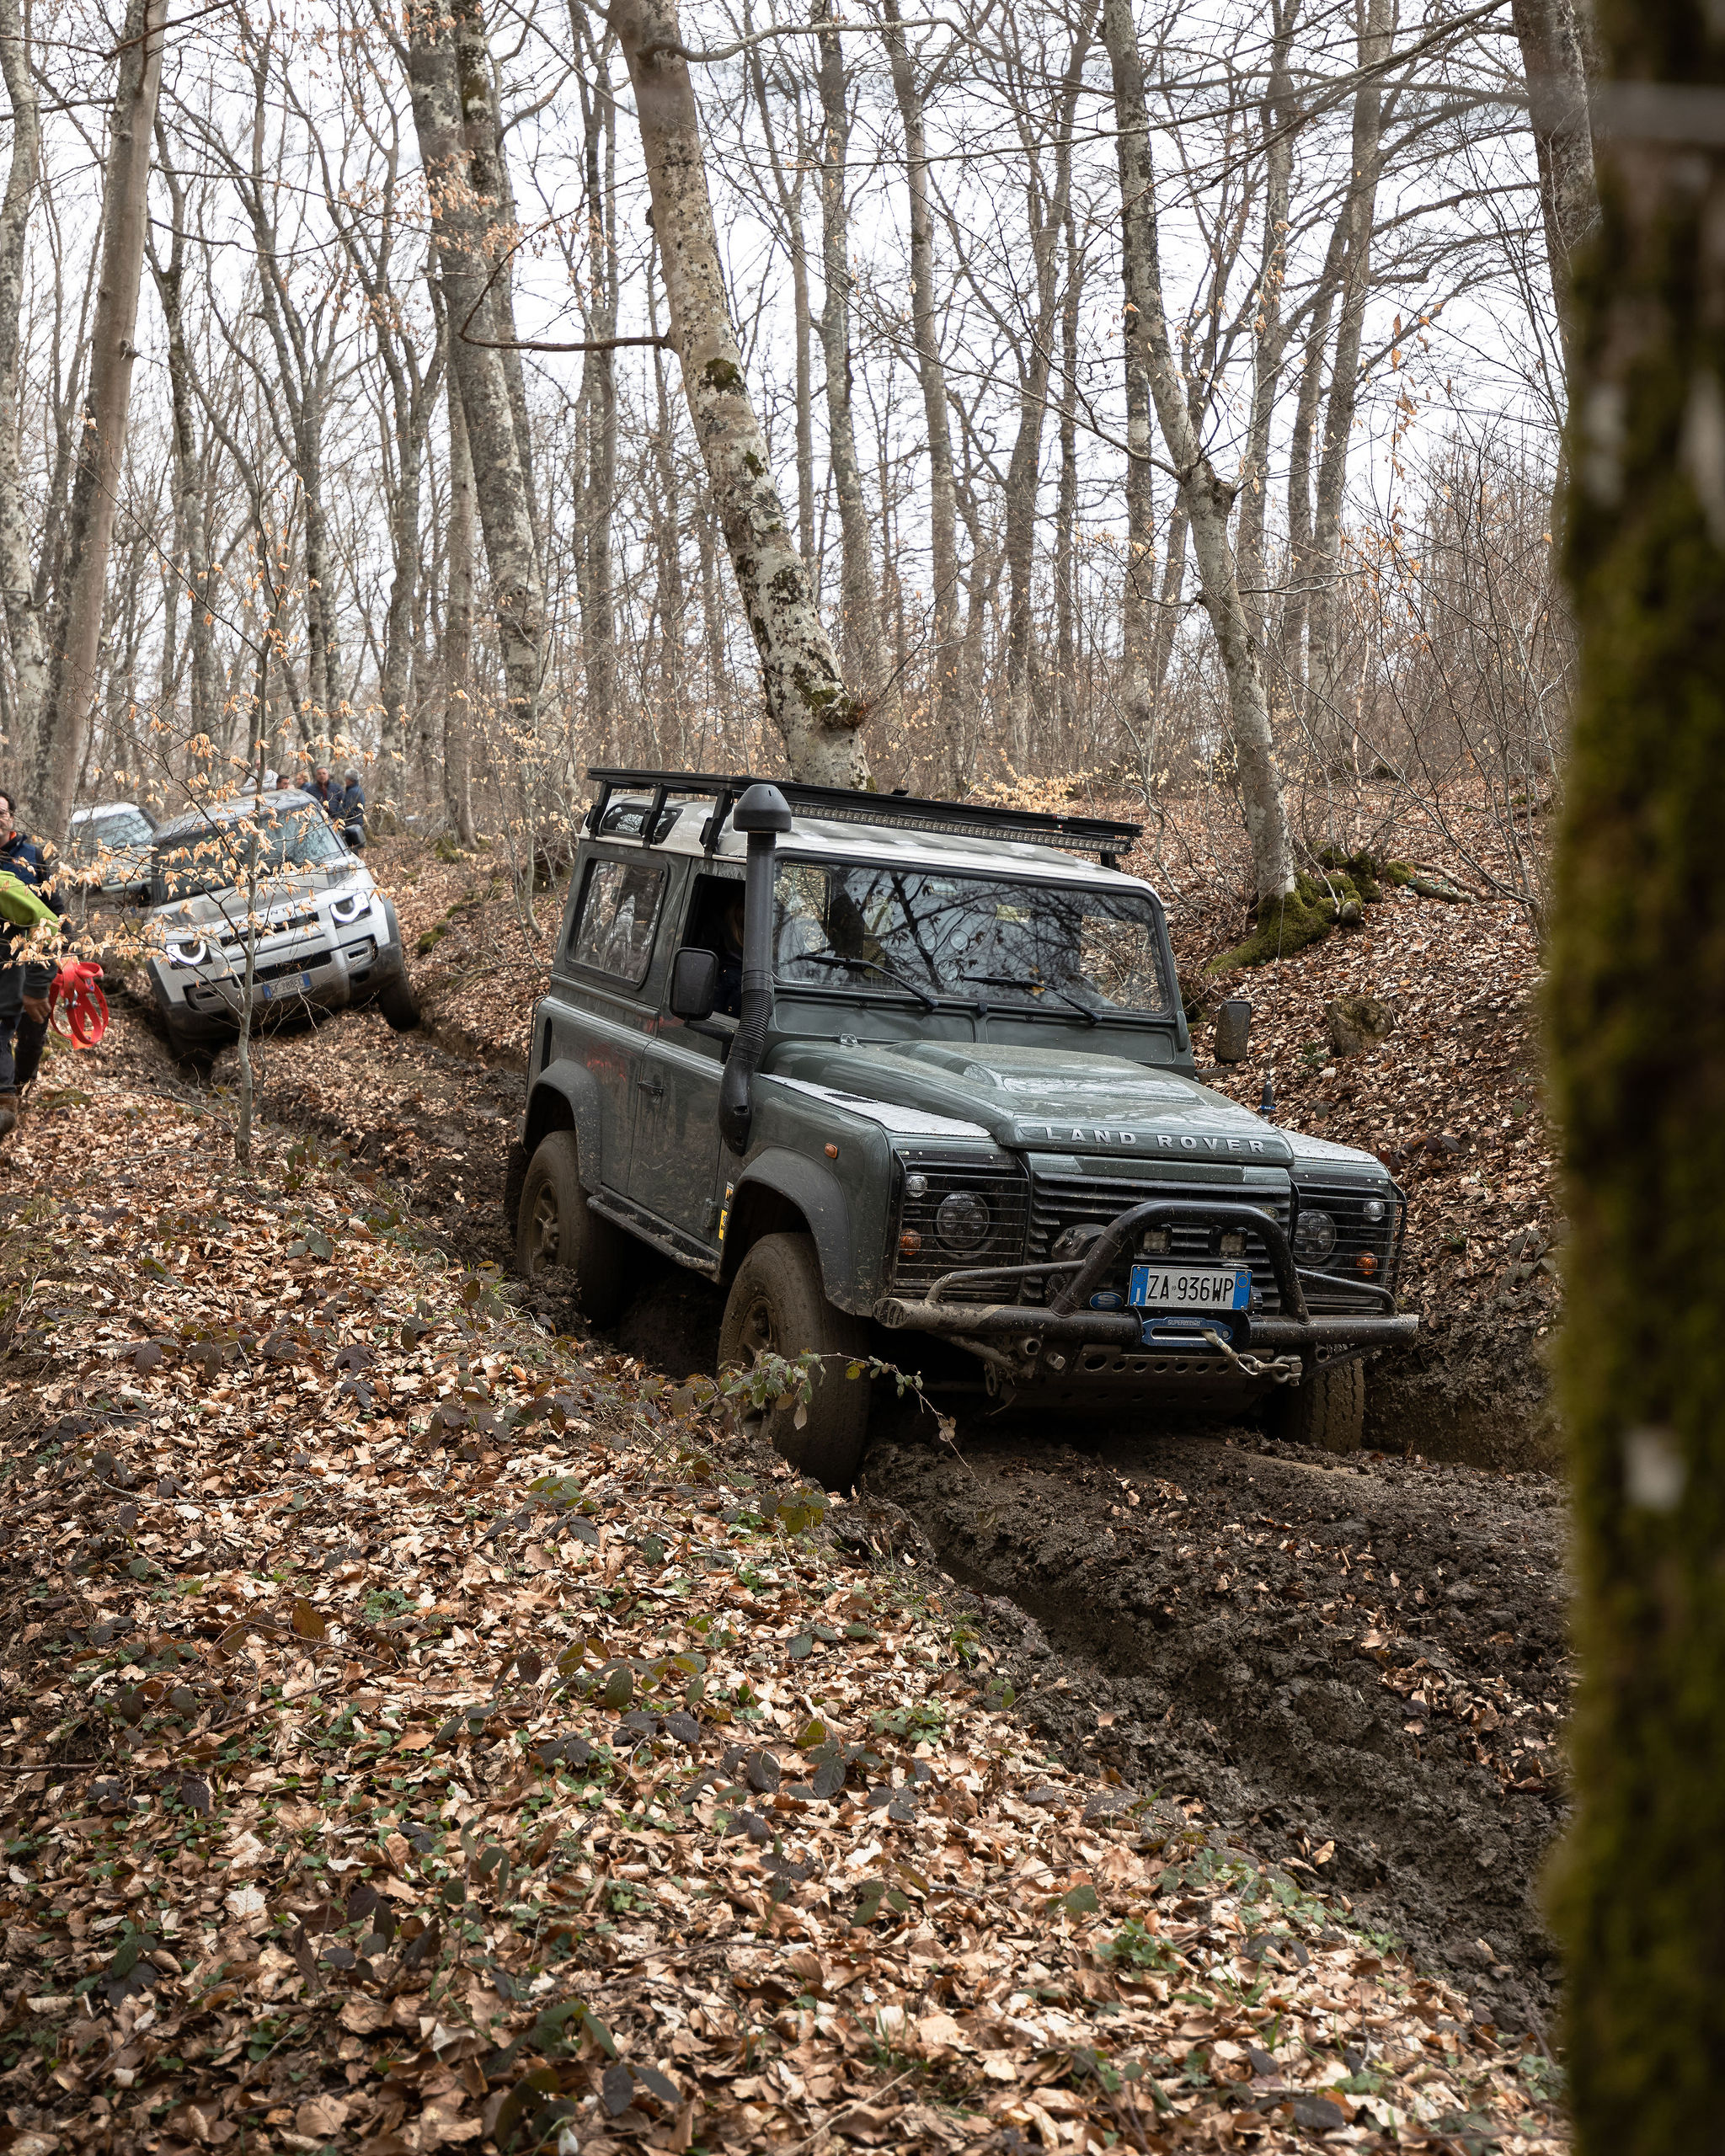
column 1066, row 1317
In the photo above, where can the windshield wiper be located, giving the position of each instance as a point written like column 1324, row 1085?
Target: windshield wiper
column 874, row 966
column 1036, row 988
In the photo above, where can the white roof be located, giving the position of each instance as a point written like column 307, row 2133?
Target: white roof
column 821, row 837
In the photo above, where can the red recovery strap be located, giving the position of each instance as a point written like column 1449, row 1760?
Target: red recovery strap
column 83, row 1019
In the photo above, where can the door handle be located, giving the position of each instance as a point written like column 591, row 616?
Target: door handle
column 653, row 1086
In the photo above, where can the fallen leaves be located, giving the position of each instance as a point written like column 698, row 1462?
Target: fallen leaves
column 502, row 1748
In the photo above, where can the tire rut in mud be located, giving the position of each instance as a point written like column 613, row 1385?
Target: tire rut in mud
column 1213, row 1616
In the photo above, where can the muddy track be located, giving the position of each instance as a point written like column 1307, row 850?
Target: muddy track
column 1367, row 1653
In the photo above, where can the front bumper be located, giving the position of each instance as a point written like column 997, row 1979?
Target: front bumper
column 346, row 967
column 1029, row 1333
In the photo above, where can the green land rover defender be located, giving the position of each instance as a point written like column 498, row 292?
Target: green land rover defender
column 911, row 1078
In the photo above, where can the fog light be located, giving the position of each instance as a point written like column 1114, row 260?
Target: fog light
column 1366, row 1262
column 1373, row 1209
column 909, row 1243
column 1157, row 1242
column 915, row 1186
column 1233, row 1242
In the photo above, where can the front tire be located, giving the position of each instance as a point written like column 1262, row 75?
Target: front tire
column 399, row 1005
column 777, row 1306
column 557, row 1228
column 1325, row 1410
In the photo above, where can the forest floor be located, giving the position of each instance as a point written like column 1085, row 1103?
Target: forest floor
column 425, row 1729
column 303, row 1583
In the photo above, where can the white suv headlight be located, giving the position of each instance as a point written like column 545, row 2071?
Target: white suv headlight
column 350, row 906
column 189, row 951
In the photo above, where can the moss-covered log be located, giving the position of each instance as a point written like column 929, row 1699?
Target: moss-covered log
column 1637, row 1028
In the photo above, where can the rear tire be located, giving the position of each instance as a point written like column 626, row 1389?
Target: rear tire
column 1327, row 1409
column 557, row 1228
column 399, row 1005
column 777, row 1306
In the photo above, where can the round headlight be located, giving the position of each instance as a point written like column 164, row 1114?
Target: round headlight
column 915, row 1186
column 962, row 1222
column 186, row 950
column 1315, row 1237
column 1373, row 1209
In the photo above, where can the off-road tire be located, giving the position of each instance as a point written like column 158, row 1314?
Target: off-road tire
column 399, row 1005
column 777, row 1305
column 193, row 1054
column 1327, row 1410
column 555, row 1227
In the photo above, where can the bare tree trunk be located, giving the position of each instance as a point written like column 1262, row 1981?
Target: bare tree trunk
column 1272, row 339
column 462, row 224
column 668, row 540
column 1296, row 603
column 859, row 633
column 1206, row 500
column 398, row 622
column 946, row 656
column 188, row 474
column 790, row 203
column 18, row 584
column 1167, row 623
column 482, row 120
column 1552, row 39
column 1024, row 467
column 1066, row 499
column 599, row 597
column 96, row 490
column 806, row 699
column 1324, row 691
column 458, row 629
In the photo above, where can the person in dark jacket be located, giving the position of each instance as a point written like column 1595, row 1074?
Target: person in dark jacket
column 24, row 984
column 320, row 787
column 347, row 808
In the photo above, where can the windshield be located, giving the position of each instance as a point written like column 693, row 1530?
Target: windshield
column 102, row 833
column 1056, row 948
column 217, row 856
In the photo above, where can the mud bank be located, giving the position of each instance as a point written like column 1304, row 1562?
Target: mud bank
column 1362, row 1660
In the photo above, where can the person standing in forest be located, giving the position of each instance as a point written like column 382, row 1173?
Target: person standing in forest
column 346, row 804
column 24, row 984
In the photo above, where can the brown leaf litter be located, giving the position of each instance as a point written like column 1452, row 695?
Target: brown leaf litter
column 424, row 1731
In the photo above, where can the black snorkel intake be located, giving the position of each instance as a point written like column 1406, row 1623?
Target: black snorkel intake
column 761, row 814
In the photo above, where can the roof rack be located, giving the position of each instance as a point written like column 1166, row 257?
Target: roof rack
column 845, row 804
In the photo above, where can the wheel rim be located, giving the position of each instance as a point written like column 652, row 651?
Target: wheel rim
column 543, row 1227
column 757, row 1336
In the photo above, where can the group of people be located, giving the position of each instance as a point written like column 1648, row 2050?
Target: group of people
column 344, row 804
column 24, row 985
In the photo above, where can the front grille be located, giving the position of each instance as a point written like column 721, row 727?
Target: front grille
column 1003, row 1185
column 1345, row 1203
column 1060, row 1202
column 286, row 925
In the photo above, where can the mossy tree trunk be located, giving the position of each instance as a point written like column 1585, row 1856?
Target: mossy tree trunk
column 1637, row 1023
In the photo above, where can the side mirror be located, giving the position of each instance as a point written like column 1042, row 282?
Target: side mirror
column 1233, row 1029
column 694, row 982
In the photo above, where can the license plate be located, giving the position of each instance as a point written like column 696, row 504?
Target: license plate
column 1190, row 1288
column 272, row 991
